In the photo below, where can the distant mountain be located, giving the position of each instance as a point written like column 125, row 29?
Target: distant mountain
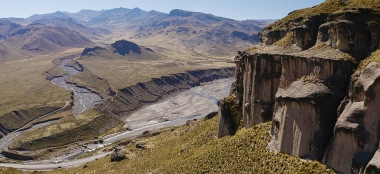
column 207, row 25
column 122, row 17
column 39, row 39
column 179, row 32
column 7, row 26
column 72, row 25
column 202, row 33
column 85, row 15
column 121, row 49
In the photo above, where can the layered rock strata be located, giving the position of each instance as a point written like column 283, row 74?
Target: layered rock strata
column 131, row 98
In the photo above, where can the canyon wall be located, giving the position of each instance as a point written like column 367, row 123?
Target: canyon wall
column 357, row 131
column 302, row 79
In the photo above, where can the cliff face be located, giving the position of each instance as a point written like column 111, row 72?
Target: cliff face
column 308, row 96
column 261, row 77
column 301, row 78
column 356, row 133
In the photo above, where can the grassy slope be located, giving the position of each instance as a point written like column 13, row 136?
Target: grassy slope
column 329, row 6
column 195, row 149
column 122, row 73
column 23, row 86
column 5, row 170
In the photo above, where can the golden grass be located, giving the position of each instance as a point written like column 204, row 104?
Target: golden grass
column 251, row 49
column 23, row 86
column 374, row 57
column 329, row 6
column 13, row 121
column 9, row 170
column 195, row 149
column 286, row 41
column 122, row 73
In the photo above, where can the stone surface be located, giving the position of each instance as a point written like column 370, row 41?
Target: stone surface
column 261, row 80
column 357, row 131
column 118, row 154
column 304, row 118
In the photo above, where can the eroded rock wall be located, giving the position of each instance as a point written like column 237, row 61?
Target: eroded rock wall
column 357, row 131
column 353, row 30
column 261, row 79
column 308, row 96
column 320, row 110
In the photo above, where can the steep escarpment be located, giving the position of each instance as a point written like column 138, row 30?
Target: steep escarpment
column 131, row 98
column 14, row 120
column 311, row 77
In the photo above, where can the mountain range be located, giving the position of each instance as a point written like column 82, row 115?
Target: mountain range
column 180, row 32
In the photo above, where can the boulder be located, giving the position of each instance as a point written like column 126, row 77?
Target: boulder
column 140, row 145
column 118, row 154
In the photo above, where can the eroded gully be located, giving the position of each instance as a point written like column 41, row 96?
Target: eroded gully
column 172, row 111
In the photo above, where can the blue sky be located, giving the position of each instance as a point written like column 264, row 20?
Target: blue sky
column 235, row 9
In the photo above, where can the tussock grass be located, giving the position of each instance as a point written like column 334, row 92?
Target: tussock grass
column 23, row 85
column 195, row 149
column 374, row 57
column 329, row 6
column 286, row 41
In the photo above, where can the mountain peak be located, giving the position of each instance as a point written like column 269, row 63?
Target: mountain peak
column 123, row 47
column 181, row 13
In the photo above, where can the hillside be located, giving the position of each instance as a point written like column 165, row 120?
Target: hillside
column 69, row 23
column 180, row 33
column 194, row 34
column 38, row 39
column 122, row 18
column 121, row 49
column 6, row 27
column 193, row 148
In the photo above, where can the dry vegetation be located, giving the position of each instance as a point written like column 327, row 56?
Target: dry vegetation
column 69, row 129
column 374, row 57
column 23, row 86
column 121, row 73
column 286, row 41
column 195, row 149
column 8, row 170
column 329, row 6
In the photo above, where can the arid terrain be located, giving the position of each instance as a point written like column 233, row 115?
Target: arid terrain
column 69, row 78
column 134, row 91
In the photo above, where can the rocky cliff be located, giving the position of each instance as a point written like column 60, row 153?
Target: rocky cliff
column 310, row 78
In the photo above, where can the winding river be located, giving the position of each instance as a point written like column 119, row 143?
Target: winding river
column 172, row 111
column 84, row 99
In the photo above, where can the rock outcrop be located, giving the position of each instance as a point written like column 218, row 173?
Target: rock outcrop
column 124, row 47
column 121, row 49
column 302, row 79
column 357, row 131
column 308, row 96
column 118, row 154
